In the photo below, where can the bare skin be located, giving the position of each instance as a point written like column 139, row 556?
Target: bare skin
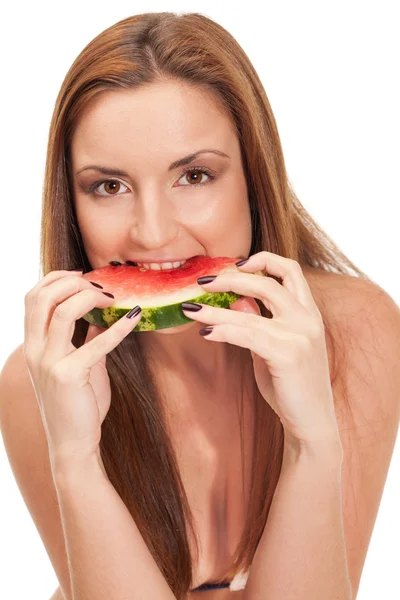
column 208, row 451
column 156, row 214
column 152, row 214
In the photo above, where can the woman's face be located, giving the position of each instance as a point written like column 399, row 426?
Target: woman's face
column 152, row 210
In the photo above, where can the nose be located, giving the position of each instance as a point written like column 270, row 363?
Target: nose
column 153, row 224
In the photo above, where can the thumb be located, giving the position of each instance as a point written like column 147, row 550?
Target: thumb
column 92, row 332
column 247, row 305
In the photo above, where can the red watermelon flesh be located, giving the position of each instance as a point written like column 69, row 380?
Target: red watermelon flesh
column 159, row 293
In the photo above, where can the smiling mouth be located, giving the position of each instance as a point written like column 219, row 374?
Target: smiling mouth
column 131, row 263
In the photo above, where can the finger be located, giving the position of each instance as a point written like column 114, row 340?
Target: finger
column 265, row 342
column 92, row 332
column 44, row 282
column 54, row 275
column 42, row 305
column 246, row 305
column 88, row 355
column 62, row 324
column 288, row 270
column 213, row 315
column 271, row 293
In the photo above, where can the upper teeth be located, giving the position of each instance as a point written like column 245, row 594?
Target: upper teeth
column 161, row 266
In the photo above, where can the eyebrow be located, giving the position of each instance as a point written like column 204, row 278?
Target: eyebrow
column 178, row 163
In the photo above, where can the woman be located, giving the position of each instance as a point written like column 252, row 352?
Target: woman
column 176, row 459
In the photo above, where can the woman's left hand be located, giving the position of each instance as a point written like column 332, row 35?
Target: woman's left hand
column 290, row 357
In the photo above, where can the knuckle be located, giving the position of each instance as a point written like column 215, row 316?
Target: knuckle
column 59, row 372
column 294, row 264
column 31, row 295
column 46, row 367
column 270, row 283
column 253, row 334
column 248, row 332
column 37, row 297
column 94, row 294
column 305, row 344
column 315, row 328
column 27, row 298
column 61, row 313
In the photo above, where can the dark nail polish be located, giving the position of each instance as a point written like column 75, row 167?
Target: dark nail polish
column 206, row 279
column 241, row 262
column 108, row 294
column 206, row 330
column 96, row 284
column 132, row 313
column 191, row 306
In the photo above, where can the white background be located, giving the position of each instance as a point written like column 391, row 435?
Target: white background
column 330, row 71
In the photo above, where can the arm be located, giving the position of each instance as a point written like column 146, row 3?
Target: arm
column 107, row 555
column 301, row 554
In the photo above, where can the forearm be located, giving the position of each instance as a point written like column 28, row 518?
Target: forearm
column 301, row 554
column 107, row 555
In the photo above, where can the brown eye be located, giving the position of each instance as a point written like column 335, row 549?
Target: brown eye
column 111, row 187
column 195, row 176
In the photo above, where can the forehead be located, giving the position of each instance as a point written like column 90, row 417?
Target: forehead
column 158, row 118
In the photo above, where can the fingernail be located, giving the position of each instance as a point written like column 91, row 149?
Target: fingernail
column 206, row 330
column 241, row 262
column 108, row 294
column 96, row 284
column 206, row 279
column 191, row 306
column 132, row 313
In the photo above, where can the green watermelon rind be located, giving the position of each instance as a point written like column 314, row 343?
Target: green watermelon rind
column 160, row 317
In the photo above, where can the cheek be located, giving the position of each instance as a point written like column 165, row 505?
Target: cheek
column 235, row 217
column 99, row 232
column 225, row 228
column 220, row 209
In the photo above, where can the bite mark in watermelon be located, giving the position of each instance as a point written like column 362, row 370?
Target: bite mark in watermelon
column 159, row 293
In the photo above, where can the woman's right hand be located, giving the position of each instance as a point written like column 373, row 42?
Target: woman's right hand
column 72, row 385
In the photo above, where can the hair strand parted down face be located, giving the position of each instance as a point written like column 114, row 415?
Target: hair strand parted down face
column 135, row 446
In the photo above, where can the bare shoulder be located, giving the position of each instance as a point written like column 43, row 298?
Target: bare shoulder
column 338, row 291
column 367, row 401
column 15, row 361
column 364, row 320
column 16, row 385
column 26, row 446
column 359, row 306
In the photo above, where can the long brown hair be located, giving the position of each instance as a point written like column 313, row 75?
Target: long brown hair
column 136, row 449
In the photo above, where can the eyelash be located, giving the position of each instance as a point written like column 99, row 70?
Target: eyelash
column 92, row 188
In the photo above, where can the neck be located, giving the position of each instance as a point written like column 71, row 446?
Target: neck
column 197, row 378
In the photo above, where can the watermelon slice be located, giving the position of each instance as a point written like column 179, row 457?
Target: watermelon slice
column 159, row 293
